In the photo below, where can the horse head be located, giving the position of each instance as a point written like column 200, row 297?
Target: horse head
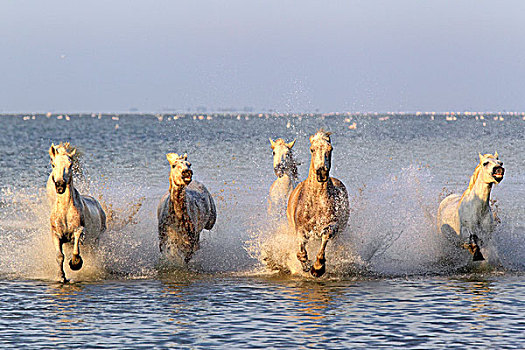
column 321, row 149
column 61, row 162
column 282, row 156
column 180, row 174
column 492, row 170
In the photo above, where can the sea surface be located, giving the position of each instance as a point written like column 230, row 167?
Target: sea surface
column 388, row 282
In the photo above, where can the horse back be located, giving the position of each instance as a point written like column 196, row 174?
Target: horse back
column 94, row 215
column 201, row 205
column 342, row 205
column 448, row 215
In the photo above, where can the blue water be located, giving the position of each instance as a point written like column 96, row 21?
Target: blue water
column 386, row 284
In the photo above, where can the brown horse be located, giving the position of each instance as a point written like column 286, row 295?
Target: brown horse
column 184, row 211
column 318, row 206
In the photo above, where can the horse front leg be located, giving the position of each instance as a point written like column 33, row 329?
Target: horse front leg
column 473, row 245
column 59, row 257
column 302, row 254
column 76, row 260
column 319, row 267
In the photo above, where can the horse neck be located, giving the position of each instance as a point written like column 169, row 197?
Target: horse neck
column 318, row 188
column 292, row 170
column 178, row 200
column 290, row 174
column 287, row 180
column 70, row 197
column 481, row 190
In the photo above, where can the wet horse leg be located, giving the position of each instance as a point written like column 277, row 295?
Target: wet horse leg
column 302, row 255
column 474, row 248
column 76, row 260
column 60, row 258
column 472, row 245
column 318, row 268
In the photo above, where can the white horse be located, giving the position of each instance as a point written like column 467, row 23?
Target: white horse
column 285, row 168
column 469, row 216
column 184, row 211
column 319, row 205
column 73, row 216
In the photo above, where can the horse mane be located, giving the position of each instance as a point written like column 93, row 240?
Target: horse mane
column 65, row 148
column 293, row 167
column 323, row 134
column 474, row 177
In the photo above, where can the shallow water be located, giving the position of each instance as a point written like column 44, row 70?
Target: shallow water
column 386, row 284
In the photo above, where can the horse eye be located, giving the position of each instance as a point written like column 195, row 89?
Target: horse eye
column 486, row 163
column 52, row 165
column 273, row 153
column 173, row 166
column 312, row 150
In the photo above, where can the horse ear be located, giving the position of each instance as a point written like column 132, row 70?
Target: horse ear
column 52, row 151
column 290, row 145
column 73, row 152
column 172, row 157
column 185, row 156
column 328, row 133
column 480, row 157
column 272, row 142
column 311, row 138
column 496, row 155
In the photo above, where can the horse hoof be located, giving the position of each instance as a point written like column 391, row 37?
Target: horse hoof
column 477, row 256
column 75, row 263
column 318, row 271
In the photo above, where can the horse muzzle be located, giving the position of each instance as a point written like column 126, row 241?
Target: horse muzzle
column 279, row 170
column 60, row 187
column 497, row 173
column 322, row 174
column 187, row 175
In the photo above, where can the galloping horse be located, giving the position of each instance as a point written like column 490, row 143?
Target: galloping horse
column 73, row 216
column 469, row 216
column 185, row 210
column 318, row 206
column 285, row 167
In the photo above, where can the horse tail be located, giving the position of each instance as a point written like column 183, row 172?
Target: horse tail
column 103, row 226
column 212, row 217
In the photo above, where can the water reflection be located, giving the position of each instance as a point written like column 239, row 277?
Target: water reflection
column 309, row 308
column 62, row 306
column 478, row 294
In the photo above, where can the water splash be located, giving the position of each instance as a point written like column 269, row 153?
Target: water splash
column 391, row 231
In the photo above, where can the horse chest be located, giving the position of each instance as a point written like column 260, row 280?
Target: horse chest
column 66, row 221
column 315, row 214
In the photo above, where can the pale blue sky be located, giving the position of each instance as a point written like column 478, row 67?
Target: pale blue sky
column 284, row 55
